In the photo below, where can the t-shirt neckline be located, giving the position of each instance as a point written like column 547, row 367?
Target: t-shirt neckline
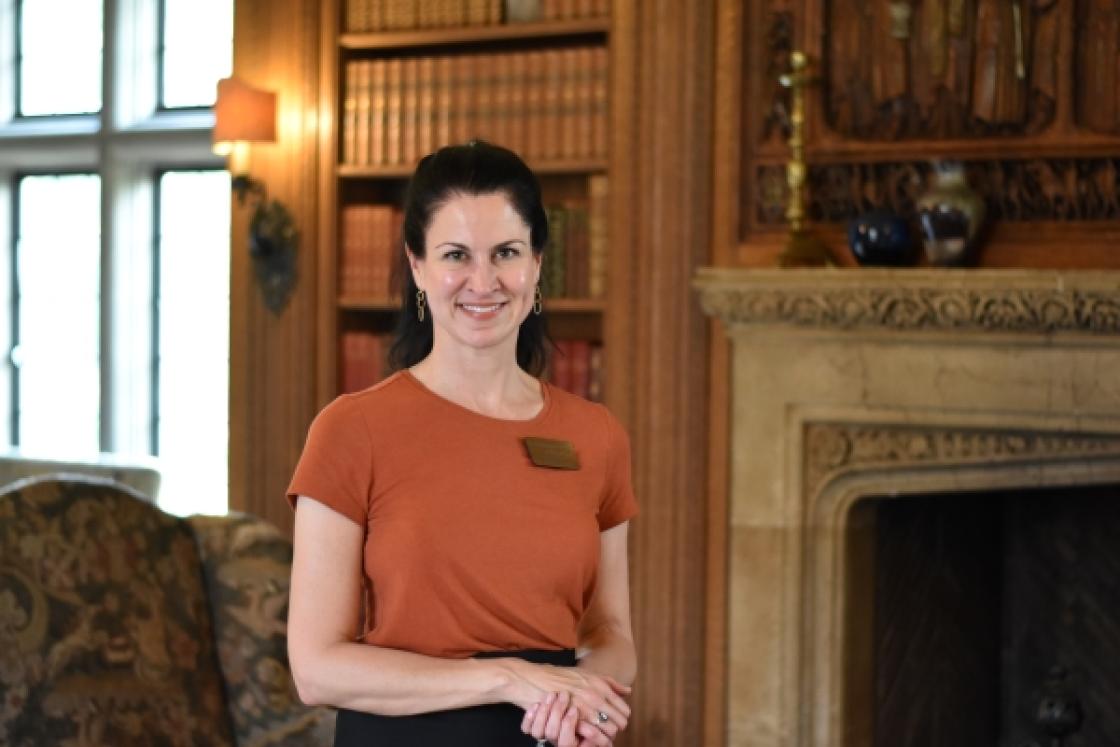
column 546, row 395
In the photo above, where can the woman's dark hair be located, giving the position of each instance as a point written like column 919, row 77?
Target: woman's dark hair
column 477, row 168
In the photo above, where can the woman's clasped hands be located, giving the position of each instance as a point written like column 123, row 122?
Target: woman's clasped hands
column 575, row 708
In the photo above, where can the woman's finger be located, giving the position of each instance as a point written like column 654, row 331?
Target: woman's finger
column 527, row 720
column 567, row 736
column 556, row 716
column 592, row 735
column 615, row 720
column 540, row 718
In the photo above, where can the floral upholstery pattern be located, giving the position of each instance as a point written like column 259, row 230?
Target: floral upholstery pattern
column 122, row 626
column 246, row 563
column 105, row 634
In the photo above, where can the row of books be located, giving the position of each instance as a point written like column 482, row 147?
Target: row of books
column 575, row 262
column 548, row 105
column 370, row 246
column 402, row 15
column 575, row 365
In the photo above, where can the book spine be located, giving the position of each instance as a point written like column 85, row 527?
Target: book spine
column 501, row 115
column 597, row 235
column 550, row 105
column 376, row 15
column 568, row 114
column 361, row 136
column 595, row 374
column 518, row 114
column 347, row 259
column 354, row 10
column 350, row 114
column 599, row 102
column 557, row 254
column 366, row 269
column 581, row 368
column 377, row 114
column 410, row 111
column 396, row 253
column 393, row 113
column 577, row 250
column 584, row 106
column 485, row 74
column 426, row 138
column 445, row 93
column 562, row 365
column 534, row 104
column 464, row 96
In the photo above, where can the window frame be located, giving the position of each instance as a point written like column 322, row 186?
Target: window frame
column 128, row 143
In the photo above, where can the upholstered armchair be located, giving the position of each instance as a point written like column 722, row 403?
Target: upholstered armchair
column 122, row 625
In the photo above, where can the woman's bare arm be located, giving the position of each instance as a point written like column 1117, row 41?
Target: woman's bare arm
column 606, row 640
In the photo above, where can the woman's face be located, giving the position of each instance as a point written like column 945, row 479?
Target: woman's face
column 479, row 272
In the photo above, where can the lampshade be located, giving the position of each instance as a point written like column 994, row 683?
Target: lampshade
column 243, row 113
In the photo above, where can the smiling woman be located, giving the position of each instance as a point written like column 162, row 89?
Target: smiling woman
column 424, row 605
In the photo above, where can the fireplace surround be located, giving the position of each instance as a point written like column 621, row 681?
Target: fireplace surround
column 847, row 384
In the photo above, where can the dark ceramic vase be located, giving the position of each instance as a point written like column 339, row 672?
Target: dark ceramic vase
column 950, row 215
column 880, row 239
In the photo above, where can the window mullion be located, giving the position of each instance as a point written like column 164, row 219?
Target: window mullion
column 111, row 434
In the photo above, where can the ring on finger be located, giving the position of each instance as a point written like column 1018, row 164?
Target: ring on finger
column 602, row 717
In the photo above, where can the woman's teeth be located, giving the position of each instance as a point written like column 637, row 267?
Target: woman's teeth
column 481, row 309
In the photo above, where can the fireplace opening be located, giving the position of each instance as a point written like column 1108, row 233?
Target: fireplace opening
column 984, row 619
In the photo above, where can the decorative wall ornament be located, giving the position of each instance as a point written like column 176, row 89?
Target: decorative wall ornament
column 1040, row 189
column 836, row 447
column 940, row 69
column 923, row 302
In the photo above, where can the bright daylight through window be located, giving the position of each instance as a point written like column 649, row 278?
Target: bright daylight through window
column 114, row 226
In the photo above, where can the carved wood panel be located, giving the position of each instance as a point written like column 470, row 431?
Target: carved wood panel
column 1019, row 190
column 1027, row 92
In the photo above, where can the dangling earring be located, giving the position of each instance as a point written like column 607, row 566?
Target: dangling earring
column 421, row 297
column 537, row 301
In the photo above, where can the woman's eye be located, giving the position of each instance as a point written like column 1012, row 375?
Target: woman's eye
column 508, row 252
column 455, row 255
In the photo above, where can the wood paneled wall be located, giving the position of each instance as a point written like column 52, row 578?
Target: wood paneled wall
column 272, row 357
column 662, row 66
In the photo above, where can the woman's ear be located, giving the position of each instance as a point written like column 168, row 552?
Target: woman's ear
column 413, row 265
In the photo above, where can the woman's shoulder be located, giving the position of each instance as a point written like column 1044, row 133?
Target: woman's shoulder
column 382, row 401
column 573, row 407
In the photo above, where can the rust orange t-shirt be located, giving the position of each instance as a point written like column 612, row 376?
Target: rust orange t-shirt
column 469, row 546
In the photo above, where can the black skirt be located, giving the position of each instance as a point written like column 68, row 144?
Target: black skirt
column 497, row 725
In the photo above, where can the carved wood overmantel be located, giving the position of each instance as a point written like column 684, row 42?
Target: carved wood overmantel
column 1025, row 92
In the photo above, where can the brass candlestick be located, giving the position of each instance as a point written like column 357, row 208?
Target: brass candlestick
column 803, row 248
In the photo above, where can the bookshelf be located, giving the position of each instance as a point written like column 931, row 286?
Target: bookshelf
column 403, row 86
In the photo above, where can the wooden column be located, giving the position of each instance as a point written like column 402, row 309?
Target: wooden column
column 658, row 358
column 272, row 357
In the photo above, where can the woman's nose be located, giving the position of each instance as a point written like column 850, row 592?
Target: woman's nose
column 483, row 277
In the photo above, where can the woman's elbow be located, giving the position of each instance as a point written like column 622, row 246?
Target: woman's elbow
column 306, row 682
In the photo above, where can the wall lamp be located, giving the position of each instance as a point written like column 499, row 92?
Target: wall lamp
column 244, row 114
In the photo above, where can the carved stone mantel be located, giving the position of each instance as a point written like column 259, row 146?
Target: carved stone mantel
column 848, row 384
column 1018, row 301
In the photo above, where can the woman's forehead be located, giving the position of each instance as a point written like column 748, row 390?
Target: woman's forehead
column 480, row 215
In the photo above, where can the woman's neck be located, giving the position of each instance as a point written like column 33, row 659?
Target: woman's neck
column 486, row 381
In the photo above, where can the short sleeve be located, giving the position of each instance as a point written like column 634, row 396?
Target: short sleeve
column 617, row 503
column 336, row 467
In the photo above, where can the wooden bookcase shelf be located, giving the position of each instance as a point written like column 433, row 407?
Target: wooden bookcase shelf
column 387, row 40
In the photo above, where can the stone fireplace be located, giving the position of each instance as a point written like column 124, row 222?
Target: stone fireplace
column 852, row 389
